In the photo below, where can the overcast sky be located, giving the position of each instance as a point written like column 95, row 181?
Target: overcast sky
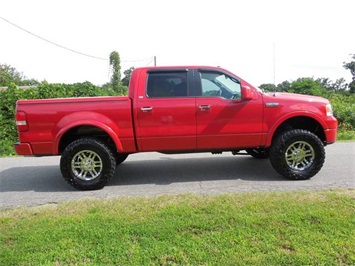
column 261, row 41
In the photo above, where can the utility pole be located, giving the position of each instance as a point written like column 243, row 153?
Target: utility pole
column 155, row 61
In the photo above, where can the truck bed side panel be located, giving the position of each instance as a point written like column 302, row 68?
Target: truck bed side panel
column 48, row 120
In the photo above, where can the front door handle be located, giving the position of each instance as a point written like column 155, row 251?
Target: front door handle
column 147, row 109
column 204, row 107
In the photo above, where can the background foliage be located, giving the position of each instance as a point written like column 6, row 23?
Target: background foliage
column 340, row 94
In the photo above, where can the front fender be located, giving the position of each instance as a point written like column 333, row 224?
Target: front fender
column 288, row 116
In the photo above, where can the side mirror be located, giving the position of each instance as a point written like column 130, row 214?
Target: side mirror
column 247, row 93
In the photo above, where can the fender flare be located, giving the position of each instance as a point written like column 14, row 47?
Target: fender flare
column 98, row 124
column 288, row 116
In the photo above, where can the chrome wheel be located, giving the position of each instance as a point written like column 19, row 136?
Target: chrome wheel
column 297, row 154
column 86, row 165
column 300, row 155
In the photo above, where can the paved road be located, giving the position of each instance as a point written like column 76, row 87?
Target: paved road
column 36, row 181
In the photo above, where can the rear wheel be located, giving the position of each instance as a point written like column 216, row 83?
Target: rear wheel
column 297, row 154
column 87, row 164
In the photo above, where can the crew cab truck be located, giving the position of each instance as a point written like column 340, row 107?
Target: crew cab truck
column 177, row 110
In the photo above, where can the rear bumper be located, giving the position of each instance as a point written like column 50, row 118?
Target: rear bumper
column 23, row 149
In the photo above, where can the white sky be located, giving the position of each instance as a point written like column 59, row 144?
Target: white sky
column 305, row 38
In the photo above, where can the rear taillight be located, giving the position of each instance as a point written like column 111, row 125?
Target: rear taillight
column 21, row 121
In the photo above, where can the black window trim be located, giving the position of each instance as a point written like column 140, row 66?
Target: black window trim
column 167, row 70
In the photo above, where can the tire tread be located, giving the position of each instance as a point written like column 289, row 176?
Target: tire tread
column 278, row 148
column 65, row 164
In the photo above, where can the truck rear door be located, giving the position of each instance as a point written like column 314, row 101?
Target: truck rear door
column 167, row 112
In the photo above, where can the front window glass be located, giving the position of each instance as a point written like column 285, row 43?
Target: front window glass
column 220, row 84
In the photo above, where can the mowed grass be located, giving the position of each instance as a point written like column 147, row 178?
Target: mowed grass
column 284, row 228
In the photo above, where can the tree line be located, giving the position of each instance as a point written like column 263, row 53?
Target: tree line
column 316, row 86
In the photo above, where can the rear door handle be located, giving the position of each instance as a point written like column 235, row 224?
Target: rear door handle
column 146, row 109
column 204, row 107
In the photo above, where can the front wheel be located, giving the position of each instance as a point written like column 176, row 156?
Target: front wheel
column 297, row 154
column 87, row 164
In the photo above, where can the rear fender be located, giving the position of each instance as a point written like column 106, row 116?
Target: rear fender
column 72, row 121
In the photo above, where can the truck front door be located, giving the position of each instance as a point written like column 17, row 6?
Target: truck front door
column 224, row 119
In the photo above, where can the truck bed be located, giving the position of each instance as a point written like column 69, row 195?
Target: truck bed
column 48, row 119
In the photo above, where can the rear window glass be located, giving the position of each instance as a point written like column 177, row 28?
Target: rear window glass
column 171, row 84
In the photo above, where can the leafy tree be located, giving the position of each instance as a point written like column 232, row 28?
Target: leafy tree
column 115, row 64
column 30, row 82
column 351, row 66
column 127, row 76
column 339, row 85
column 9, row 75
column 307, row 86
column 268, row 87
column 284, row 86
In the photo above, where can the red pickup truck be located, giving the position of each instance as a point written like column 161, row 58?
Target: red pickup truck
column 177, row 110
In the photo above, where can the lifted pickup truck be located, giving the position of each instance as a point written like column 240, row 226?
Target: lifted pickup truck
column 177, row 110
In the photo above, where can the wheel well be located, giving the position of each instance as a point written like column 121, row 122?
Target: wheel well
column 84, row 131
column 301, row 122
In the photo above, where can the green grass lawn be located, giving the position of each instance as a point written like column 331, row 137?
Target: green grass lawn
column 283, row 228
